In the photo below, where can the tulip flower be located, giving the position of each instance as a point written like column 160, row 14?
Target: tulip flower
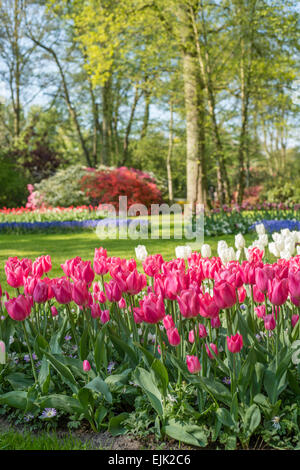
column 80, row 293
column 113, row 291
column 152, row 308
column 173, row 336
column 202, row 333
column 54, row 311
column 19, row 308
column 260, row 311
column 269, row 322
column 189, row 303
column 234, row 343
column 168, row 322
column 224, row 295
column 278, row 291
column 295, row 319
column 104, row 316
column 86, row 366
column 62, row 289
column 40, row 293
column 214, row 348
column 193, row 364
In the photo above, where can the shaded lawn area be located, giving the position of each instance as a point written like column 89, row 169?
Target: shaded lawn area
column 65, row 246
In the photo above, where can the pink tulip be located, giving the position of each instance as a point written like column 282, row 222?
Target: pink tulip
column 215, row 322
column 224, row 295
column 193, row 364
column 258, row 296
column 235, row 343
column 173, row 336
column 113, row 291
column 202, row 333
column 294, row 284
column 152, row 309
column 269, row 322
column 104, row 316
column 189, row 303
column 95, row 311
column 168, row 322
column 86, row 366
column 54, row 311
column 122, row 303
column 80, row 294
column 278, row 291
column 208, row 306
column 214, row 348
column 62, row 289
column 19, row 308
column 295, row 319
column 260, row 311
column 40, row 293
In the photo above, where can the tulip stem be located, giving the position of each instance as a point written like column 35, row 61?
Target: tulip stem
column 72, row 326
column 30, row 353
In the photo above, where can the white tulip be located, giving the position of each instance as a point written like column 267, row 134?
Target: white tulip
column 239, row 241
column 222, row 245
column 260, row 229
column 263, row 239
column 183, row 251
column 206, row 251
column 141, row 252
column 274, row 250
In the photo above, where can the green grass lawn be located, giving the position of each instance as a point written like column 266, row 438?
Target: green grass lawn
column 64, row 246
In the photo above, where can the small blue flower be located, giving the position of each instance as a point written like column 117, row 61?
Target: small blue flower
column 226, row 380
column 48, row 413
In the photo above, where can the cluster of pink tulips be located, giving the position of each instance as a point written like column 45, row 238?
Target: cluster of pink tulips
column 187, row 301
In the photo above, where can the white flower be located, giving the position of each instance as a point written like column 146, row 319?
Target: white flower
column 206, row 251
column 273, row 249
column 263, row 239
column 260, row 229
column 141, row 252
column 222, row 245
column 275, row 422
column 183, row 251
column 239, row 241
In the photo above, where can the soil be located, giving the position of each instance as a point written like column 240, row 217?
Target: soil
column 104, row 440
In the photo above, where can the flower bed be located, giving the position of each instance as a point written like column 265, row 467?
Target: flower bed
column 197, row 350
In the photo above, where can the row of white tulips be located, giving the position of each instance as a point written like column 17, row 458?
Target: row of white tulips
column 285, row 244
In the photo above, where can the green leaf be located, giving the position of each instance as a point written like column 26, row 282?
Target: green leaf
column 15, row 399
column 83, row 345
column 189, row 434
column 120, row 344
column 19, row 381
column 99, row 386
column 65, row 403
column 144, row 379
column 218, row 390
column 44, row 375
column 114, row 426
column 225, row 417
column 148, row 356
column 63, row 370
column 100, row 353
column 161, row 373
column 39, row 344
column 252, row 419
column 100, row 414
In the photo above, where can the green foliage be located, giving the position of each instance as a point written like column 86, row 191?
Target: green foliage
column 13, row 191
column 63, row 189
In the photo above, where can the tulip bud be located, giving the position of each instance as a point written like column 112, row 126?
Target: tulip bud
column 193, row 364
column 86, row 366
column 173, row 336
column 270, row 322
column 54, row 311
column 214, row 348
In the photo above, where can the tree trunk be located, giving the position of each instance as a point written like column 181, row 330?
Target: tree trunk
column 129, row 124
column 169, row 156
column 106, row 121
column 147, row 95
